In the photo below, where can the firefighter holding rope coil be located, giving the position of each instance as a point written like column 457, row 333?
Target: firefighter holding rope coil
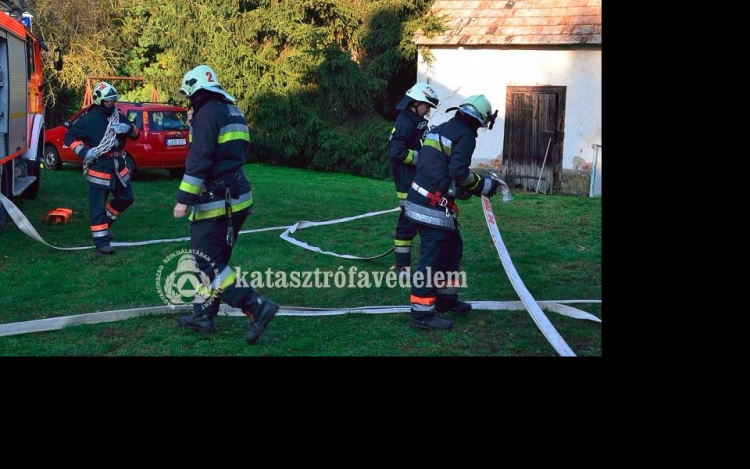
column 98, row 137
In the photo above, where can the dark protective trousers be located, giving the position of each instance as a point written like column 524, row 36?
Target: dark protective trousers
column 210, row 237
column 440, row 250
column 103, row 214
column 406, row 231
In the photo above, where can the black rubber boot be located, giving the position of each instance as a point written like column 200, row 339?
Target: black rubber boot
column 204, row 324
column 263, row 315
column 434, row 323
column 105, row 249
column 453, row 304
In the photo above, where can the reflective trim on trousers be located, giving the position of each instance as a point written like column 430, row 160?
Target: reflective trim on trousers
column 99, row 234
column 422, row 304
column 122, row 174
column 225, row 278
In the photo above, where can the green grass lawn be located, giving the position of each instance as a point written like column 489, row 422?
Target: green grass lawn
column 554, row 243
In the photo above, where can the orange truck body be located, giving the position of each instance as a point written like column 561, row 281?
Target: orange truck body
column 21, row 105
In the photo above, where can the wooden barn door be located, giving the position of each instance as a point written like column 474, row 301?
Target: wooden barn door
column 534, row 122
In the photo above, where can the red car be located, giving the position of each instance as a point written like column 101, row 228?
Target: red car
column 162, row 144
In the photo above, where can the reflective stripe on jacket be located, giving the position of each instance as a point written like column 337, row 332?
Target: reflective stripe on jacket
column 89, row 130
column 405, row 138
column 445, row 157
column 220, row 140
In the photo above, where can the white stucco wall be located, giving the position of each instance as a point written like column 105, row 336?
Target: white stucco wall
column 461, row 72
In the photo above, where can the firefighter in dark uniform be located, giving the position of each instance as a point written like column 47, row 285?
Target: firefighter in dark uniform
column 219, row 198
column 98, row 137
column 404, row 144
column 443, row 175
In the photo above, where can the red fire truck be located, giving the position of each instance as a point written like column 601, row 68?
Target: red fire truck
column 21, row 104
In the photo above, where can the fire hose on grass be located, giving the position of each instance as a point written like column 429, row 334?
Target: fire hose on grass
column 541, row 321
column 531, row 305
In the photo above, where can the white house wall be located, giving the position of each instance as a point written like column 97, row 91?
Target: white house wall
column 460, row 72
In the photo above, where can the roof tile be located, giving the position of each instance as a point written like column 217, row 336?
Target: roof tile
column 520, row 22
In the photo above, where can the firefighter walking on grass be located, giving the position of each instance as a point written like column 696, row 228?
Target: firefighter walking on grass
column 443, row 175
column 98, row 137
column 219, row 198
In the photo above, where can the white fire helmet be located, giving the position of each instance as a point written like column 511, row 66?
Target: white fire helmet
column 421, row 92
column 202, row 77
column 103, row 91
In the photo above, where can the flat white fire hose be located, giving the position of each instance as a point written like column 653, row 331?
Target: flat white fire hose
column 527, row 301
column 306, row 224
column 541, row 321
column 51, row 324
column 25, row 226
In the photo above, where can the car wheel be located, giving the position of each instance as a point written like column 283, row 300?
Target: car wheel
column 51, row 158
column 177, row 173
column 133, row 169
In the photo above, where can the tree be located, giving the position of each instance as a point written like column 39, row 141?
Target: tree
column 312, row 76
column 90, row 34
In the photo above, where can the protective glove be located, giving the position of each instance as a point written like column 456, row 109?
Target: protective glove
column 463, row 194
column 414, row 158
column 490, row 186
column 85, row 154
column 121, row 128
column 486, row 186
